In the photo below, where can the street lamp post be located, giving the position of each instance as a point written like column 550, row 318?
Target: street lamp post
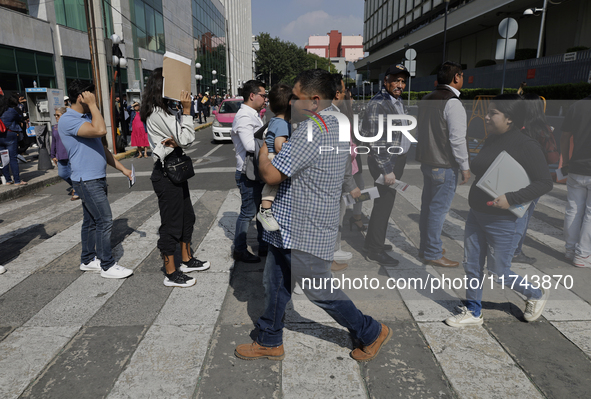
column 445, row 29
column 198, row 78
column 214, row 82
column 119, row 61
column 532, row 11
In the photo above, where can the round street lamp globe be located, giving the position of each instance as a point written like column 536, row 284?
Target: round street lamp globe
column 123, row 62
column 213, row 72
column 197, row 65
column 115, row 59
column 115, row 39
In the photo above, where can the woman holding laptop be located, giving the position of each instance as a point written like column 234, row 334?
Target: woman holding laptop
column 488, row 237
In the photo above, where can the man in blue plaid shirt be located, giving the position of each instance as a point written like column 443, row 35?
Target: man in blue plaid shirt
column 386, row 158
column 311, row 172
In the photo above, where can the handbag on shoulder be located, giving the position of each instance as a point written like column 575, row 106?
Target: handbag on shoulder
column 178, row 166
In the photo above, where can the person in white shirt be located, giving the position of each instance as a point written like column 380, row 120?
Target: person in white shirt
column 246, row 123
column 168, row 134
column 442, row 152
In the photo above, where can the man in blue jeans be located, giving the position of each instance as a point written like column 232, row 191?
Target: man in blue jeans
column 307, row 210
column 246, row 123
column 442, row 152
column 81, row 129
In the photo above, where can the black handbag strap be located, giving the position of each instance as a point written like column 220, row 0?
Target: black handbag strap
column 259, row 133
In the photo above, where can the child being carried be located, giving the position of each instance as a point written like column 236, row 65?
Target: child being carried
column 278, row 132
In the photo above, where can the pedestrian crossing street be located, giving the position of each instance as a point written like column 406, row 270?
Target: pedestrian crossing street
column 69, row 334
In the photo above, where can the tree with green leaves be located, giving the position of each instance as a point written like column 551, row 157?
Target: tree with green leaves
column 281, row 61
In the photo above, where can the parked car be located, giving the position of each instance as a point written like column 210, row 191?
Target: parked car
column 222, row 123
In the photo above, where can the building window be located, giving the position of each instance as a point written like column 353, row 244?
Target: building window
column 149, row 24
column 209, row 37
column 71, row 13
column 77, row 69
column 20, row 68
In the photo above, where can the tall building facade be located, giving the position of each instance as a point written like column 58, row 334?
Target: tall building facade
column 240, row 43
column 390, row 26
column 47, row 41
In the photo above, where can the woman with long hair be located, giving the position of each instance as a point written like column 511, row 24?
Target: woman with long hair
column 12, row 119
column 490, row 226
column 168, row 134
column 536, row 127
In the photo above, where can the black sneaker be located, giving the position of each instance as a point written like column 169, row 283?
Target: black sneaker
column 194, row 265
column 245, row 256
column 178, row 279
column 381, row 258
column 523, row 258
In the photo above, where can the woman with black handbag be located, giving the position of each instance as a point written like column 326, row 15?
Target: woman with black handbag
column 167, row 135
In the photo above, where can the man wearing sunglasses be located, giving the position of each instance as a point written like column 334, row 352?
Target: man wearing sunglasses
column 245, row 125
column 83, row 130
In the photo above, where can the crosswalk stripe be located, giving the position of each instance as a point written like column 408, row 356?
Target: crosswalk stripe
column 468, row 355
column 318, row 365
column 44, row 253
column 563, row 304
column 578, row 332
column 456, row 358
column 168, row 360
column 84, row 297
column 25, row 352
column 27, row 223
column 75, row 305
column 19, row 203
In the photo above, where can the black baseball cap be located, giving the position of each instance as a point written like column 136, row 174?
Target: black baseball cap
column 396, row 69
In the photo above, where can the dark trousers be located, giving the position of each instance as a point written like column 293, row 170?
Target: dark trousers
column 382, row 207
column 177, row 216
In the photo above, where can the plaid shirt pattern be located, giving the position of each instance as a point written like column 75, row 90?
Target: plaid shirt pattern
column 307, row 202
column 381, row 104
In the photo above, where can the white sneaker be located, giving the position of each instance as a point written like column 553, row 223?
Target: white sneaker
column 2, row 270
column 465, row 318
column 535, row 307
column 580, row 261
column 116, row 271
column 298, row 290
column 342, row 255
column 92, row 266
column 265, row 216
column 569, row 254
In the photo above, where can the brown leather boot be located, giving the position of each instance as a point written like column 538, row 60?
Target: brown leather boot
column 367, row 353
column 443, row 262
column 255, row 351
column 337, row 267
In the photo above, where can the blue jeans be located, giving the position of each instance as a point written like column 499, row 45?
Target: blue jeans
column 522, row 225
column 577, row 217
column 282, row 270
column 97, row 222
column 9, row 141
column 489, row 238
column 64, row 170
column 439, row 188
column 251, row 194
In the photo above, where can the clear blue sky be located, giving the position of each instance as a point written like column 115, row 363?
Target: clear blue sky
column 295, row 20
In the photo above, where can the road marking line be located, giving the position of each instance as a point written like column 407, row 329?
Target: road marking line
column 18, row 203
